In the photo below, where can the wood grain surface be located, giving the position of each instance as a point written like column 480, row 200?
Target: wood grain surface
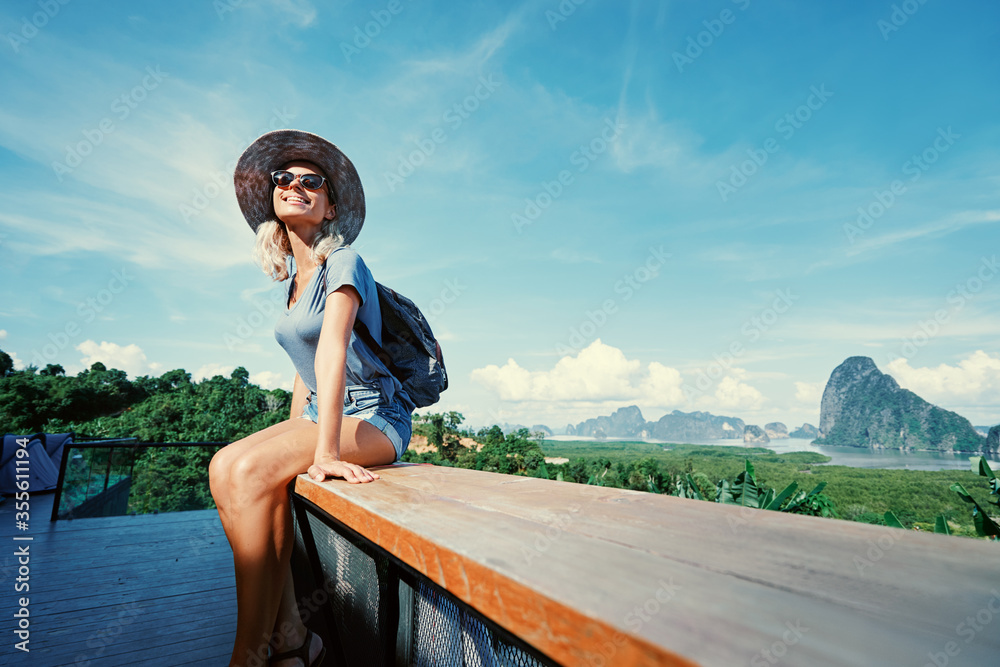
column 600, row 576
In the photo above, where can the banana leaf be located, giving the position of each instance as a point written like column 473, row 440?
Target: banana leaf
column 985, row 526
column 745, row 491
column 782, row 497
column 693, row 488
column 724, row 494
column 819, row 488
column 892, row 521
column 801, row 498
column 941, row 525
column 980, row 465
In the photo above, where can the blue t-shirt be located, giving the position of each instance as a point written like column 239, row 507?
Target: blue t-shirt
column 298, row 327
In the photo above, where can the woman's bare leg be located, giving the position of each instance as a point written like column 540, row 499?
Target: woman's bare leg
column 249, row 483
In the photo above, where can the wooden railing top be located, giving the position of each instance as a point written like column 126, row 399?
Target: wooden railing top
column 600, row 576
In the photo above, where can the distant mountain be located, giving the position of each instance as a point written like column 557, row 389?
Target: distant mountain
column 623, row 423
column 685, row 426
column 754, row 433
column 805, row 431
column 677, row 426
column 510, row 428
column 863, row 407
column 776, row 430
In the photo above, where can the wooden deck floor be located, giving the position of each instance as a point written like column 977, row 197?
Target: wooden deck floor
column 129, row 590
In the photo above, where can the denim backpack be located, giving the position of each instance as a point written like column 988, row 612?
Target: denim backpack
column 409, row 349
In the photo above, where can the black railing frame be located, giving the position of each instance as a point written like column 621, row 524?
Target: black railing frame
column 112, row 444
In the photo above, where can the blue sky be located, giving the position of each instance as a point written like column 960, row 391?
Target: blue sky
column 693, row 206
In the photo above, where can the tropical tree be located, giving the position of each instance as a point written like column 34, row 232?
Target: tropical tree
column 747, row 492
column 985, row 525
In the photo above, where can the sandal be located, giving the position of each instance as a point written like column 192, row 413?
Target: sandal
column 302, row 653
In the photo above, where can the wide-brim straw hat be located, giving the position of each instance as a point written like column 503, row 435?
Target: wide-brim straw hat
column 271, row 152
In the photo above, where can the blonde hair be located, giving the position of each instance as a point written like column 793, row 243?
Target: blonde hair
column 272, row 247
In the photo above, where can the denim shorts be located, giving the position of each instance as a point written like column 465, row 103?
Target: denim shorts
column 368, row 403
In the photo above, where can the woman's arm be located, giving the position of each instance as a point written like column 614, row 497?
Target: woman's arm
column 331, row 381
column 299, row 394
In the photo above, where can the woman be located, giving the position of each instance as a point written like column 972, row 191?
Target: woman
column 303, row 198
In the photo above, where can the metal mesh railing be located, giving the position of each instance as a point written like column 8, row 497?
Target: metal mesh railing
column 446, row 634
column 377, row 611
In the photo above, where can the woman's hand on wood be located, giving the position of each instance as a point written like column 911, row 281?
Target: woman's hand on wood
column 329, row 467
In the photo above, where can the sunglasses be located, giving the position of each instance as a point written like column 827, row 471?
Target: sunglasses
column 286, row 178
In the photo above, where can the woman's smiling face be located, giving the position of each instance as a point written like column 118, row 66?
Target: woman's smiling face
column 296, row 205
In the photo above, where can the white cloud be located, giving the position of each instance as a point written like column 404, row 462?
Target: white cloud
column 602, row 373
column 18, row 364
column 934, row 229
column 270, row 380
column 662, row 386
column 211, row 370
column 3, row 334
column 599, row 372
column 473, row 58
column 810, row 393
column 974, row 380
column 128, row 358
column 732, row 394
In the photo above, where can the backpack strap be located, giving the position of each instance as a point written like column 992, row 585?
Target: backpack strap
column 361, row 329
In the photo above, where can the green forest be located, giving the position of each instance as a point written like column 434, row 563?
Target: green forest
column 915, row 497
column 103, row 403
